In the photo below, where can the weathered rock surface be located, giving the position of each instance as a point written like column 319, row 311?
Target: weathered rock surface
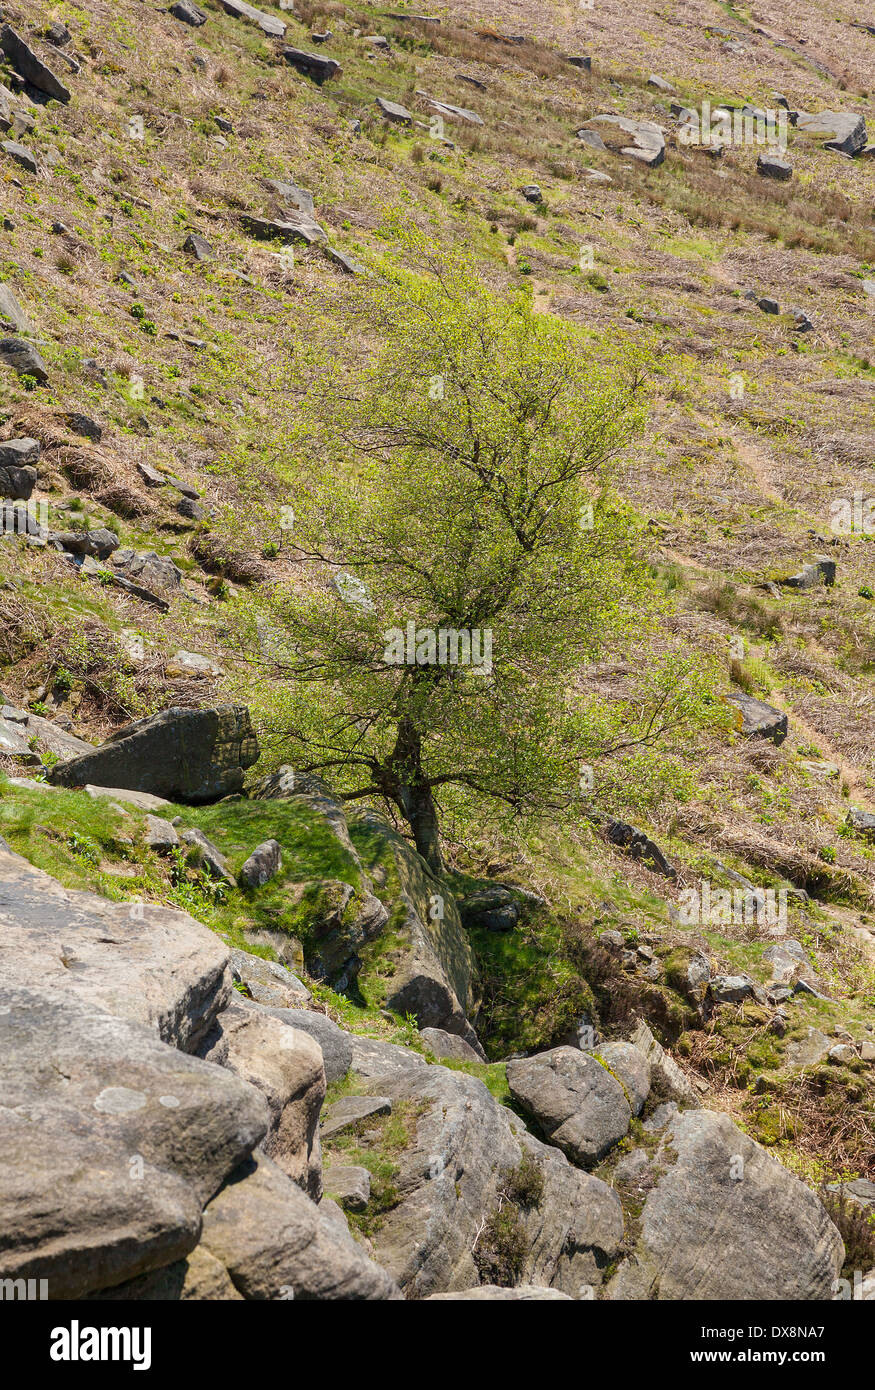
column 312, row 65
column 727, row 1221
column 30, row 66
column 270, row 24
column 463, row 1145
column 648, row 140
column 349, row 1184
column 268, row 982
column 349, row 1111
column 449, row 1045
column 573, row 1099
column 336, row 1045
column 18, row 475
column 496, row 1293
column 845, row 131
column 148, row 964
column 664, row 1070
column 23, row 358
column 112, row 1142
column 631, row 1068
column 206, row 856
column 285, row 1064
column 181, row 754
column 756, row 719
column 263, row 864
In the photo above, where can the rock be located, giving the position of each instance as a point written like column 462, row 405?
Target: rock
column 820, row 571
column 275, row 1244
column 633, row 1168
column 263, row 864
column 802, row 324
column 148, row 964
column 30, row 67
column 769, row 166
column 336, row 1045
column 273, row 27
column 769, row 306
column 183, row 754
column 349, row 1111
column 756, row 719
column 464, row 1152
column 126, row 1140
column 867, row 1050
column 192, row 511
column 23, row 358
column 861, row 821
column 270, row 983
column 868, row 287
column 785, row 957
column 448, row 1045
column 188, row 13
column 11, row 313
column 161, row 836
column 18, row 475
column 349, row 1184
column 52, row 737
column 457, row 113
column 144, row 800
column 842, row 1054
column 731, row 989
column 206, row 856
column 14, row 744
column 846, row 131
column 100, row 543
column 631, row 1068
column 576, row 1102
column 860, row 1191
column 492, row 909
column 664, row 1070
column 84, row 426
column 375, row 1060
column 285, row 1064
column 198, row 247
column 345, row 262
column 639, row 846
column 57, row 34
column 299, row 198
column 377, row 41
column 184, row 665
column 151, row 477
column 532, row 193
column 766, row 1235
column 659, row 83
column 294, row 226
column 399, row 115
column 808, row 1051
column 312, row 65
column 648, row 145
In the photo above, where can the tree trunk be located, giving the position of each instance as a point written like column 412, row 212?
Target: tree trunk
column 411, row 792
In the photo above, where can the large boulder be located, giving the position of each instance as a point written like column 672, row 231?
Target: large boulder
column 18, row 475
column 148, row 964
column 285, row 1064
column 181, row 754
column 575, row 1100
column 726, row 1221
column 467, row 1162
column 30, row 66
column 756, row 719
column 268, row 23
column 112, row 1142
column 845, row 131
column 641, row 140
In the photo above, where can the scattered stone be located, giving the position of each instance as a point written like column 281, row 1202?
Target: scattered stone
column 345, row 262
column 312, row 65
column 659, row 83
column 184, row 665
column 580, row 61
column 204, row 855
column 664, row 1070
column 786, row 958
column 756, row 719
column 100, row 543
column 57, row 34
column 161, row 836
column 532, row 193
column 472, row 81
column 270, row 984
column 293, row 226
column 769, row 306
column 492, row 909
column 846, row 131
column 810, row 1050
column 263, row 864
column 377, row 41
column 270, row 25
column 648, row 145
column 21, row 154
column 639, row 846
column 14, row 744
column 573, row 1098
column 84, row 426
column 458, row 113
column 182, row 754
column 11, row 312
column 144, row 800
column 148, row 569
column 23, row 358
column 349, row 1185
column 821, row 571
column 842, row 1054
column 188, row 13
column 731, row 989
column 31, row 68
column 861, row 821
column 769, row 166
column 198, row 246
column 190, row 510
column 399, row 115
column 18, row 475
column 291, row 193
column 350, row 1111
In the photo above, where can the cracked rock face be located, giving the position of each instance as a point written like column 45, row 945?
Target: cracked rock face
column 574, row 1099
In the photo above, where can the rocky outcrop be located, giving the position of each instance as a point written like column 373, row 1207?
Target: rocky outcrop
column 726, row 1221
column 641, row 140
column 181, row 754
column 575, row 1101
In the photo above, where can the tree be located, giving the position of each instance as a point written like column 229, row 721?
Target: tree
column 463, row 555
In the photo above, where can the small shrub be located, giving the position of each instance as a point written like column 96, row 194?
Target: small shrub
column 501, row 1251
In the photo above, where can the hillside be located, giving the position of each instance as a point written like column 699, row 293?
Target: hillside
column 201, row 209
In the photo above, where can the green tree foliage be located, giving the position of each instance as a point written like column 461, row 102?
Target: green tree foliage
column 460, row 480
